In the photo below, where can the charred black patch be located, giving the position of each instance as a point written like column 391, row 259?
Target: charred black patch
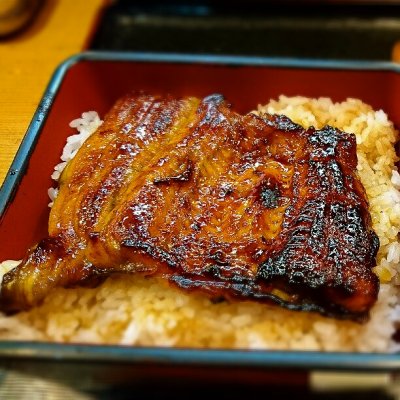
column 324, row 142
column 214, row 270
column 270, row 197
column 152, row 251
column 183, row 176
column 286, row 124
column 269, row 192
column 218, row 257
column 222, row 272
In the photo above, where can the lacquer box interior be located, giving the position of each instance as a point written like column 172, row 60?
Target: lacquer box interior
column 93, row 81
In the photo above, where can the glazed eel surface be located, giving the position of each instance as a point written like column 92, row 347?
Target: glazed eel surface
column 238, row 207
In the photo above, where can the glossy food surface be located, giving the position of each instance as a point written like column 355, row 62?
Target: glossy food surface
column 235, row 206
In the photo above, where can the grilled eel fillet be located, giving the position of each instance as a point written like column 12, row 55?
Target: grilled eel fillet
column 235, row 206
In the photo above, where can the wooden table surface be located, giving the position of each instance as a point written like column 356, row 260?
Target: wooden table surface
column 60, row 29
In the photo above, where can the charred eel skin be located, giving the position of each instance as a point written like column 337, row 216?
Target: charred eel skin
column 237, row 207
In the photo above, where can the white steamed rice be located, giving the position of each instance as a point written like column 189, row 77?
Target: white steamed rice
column 85, row 125
column 134, row 310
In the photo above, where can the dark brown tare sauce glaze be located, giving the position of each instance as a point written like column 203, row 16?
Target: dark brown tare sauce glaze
column 237, row 207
